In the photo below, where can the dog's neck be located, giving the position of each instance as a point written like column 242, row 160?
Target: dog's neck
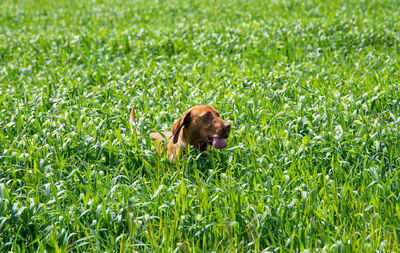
column 182, row 140
column 181, row 144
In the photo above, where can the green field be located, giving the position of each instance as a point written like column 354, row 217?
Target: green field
column 311, row 89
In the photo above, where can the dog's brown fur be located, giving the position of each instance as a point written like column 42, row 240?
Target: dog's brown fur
column 195, row 128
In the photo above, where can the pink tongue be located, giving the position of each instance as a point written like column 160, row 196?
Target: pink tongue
column 219, row 143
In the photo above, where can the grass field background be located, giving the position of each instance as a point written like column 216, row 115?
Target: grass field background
column 311, row 89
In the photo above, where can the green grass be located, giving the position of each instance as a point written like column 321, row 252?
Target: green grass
column 311, row 89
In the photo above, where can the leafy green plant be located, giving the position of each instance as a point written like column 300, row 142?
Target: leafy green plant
column 310, row 87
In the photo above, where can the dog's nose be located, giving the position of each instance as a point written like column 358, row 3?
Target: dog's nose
column 227, row 127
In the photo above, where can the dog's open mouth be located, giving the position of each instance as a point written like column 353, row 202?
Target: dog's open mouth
column 217, row 142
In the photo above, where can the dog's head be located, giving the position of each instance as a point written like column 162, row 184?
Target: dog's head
column 201, row 125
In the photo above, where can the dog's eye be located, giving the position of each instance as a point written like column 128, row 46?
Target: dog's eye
column 207, row 116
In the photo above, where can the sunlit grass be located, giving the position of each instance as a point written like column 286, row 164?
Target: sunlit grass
column 311, row 89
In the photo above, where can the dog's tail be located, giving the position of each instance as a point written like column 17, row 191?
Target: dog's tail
column 132, row 120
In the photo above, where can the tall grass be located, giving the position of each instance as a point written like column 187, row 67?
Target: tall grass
column 311, row 89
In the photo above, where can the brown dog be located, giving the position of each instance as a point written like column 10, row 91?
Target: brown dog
column 199, row 127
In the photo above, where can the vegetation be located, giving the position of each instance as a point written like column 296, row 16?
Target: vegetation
column 311, row 89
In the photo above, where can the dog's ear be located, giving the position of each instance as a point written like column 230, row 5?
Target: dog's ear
column 184, row 120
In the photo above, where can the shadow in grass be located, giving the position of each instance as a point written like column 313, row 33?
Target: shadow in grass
column 204, row 164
